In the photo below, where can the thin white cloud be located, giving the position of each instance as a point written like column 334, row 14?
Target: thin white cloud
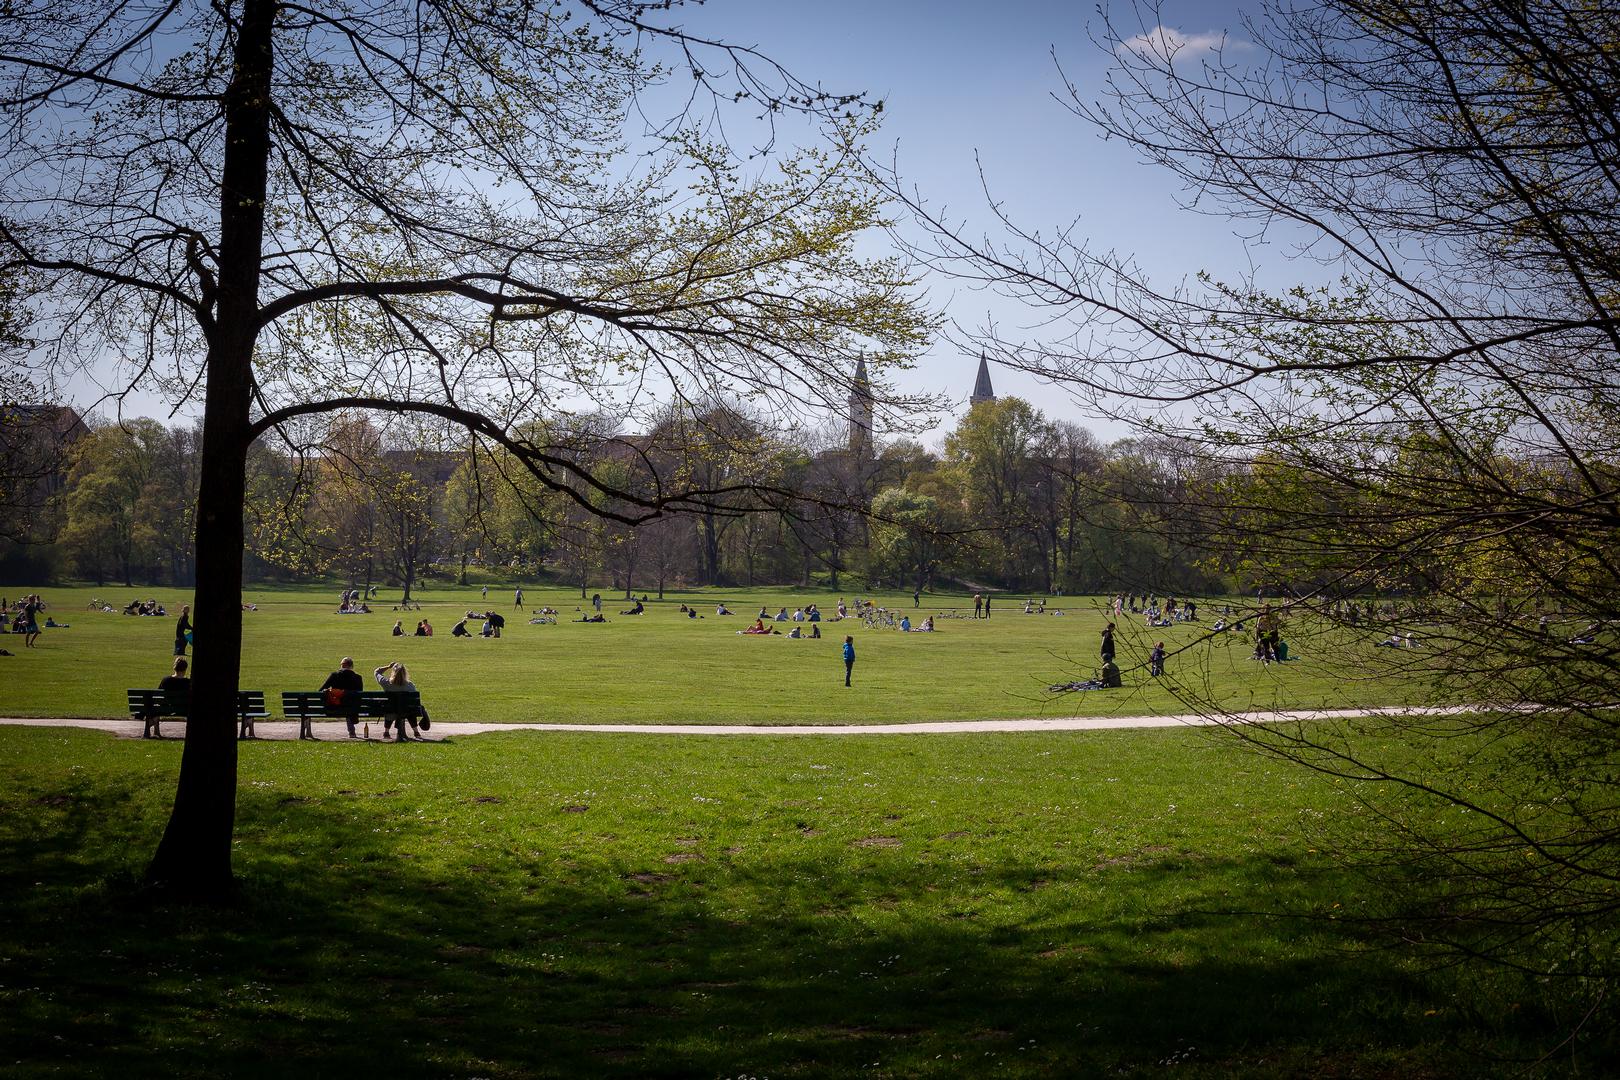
column 1168, row 43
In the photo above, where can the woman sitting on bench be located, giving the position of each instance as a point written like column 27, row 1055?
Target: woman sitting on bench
column 394, row 680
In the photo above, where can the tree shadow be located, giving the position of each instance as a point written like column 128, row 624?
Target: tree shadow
column 353, row 952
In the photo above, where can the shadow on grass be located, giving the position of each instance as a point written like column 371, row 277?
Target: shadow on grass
column 355, row 952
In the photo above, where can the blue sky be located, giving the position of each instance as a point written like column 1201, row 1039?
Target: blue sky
column 961, row 79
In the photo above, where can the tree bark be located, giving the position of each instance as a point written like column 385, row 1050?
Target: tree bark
column 193, row 860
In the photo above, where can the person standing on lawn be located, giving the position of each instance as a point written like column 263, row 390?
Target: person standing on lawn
column 182, row 631
column 849, row 657
column 32, row 606
column 517, row 597
column 1108, row 644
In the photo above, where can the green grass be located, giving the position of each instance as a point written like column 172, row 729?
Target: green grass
column 574, row 905
column 662, row 667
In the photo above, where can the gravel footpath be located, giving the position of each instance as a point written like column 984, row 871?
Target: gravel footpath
column 334, row 730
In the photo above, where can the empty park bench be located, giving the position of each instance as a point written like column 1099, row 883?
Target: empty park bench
column 150, row 706
column 306, row 705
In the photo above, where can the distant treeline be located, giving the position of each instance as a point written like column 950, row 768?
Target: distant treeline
column 1013, row 501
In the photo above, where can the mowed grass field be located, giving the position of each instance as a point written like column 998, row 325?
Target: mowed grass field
column 1116, row 903
column 662, row 667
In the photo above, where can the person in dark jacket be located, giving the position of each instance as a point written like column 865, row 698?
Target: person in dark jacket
column 348, row 680
column 176, row 689
column 182, row 631
column 1108, row 644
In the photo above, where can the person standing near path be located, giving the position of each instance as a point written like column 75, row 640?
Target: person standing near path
column 486, row 592
column 916, row 597
column 182, row 631
column 849, row 657
column 1156, row 661
column 987, row 605
column 517, row 597
column 1108, row 644
column 978, row 606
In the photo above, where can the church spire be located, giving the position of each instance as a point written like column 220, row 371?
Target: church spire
column 860, row 411
column 981, row 386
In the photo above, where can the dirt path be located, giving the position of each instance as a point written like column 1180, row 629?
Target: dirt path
column 334, row 730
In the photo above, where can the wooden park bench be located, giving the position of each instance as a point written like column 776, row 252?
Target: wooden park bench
column 250, row 707
column 306, row 705
column 151, row 706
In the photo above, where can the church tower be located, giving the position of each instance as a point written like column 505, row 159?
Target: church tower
column 981, row 385
column 860, row 412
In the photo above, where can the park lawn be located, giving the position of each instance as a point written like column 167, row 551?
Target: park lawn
column 528, row 904
column 662, row 667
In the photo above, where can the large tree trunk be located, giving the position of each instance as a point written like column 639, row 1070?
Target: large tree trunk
column 193, row 860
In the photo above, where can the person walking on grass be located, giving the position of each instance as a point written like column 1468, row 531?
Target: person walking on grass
column 1156, row 661
column 987, row 605
column 916, row 597
column 849, row 658
column 182, row 631
column 517, row 597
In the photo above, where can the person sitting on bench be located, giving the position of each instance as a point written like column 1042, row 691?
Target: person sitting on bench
column 176, row 689
column 347, row 681
column 394, row 680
